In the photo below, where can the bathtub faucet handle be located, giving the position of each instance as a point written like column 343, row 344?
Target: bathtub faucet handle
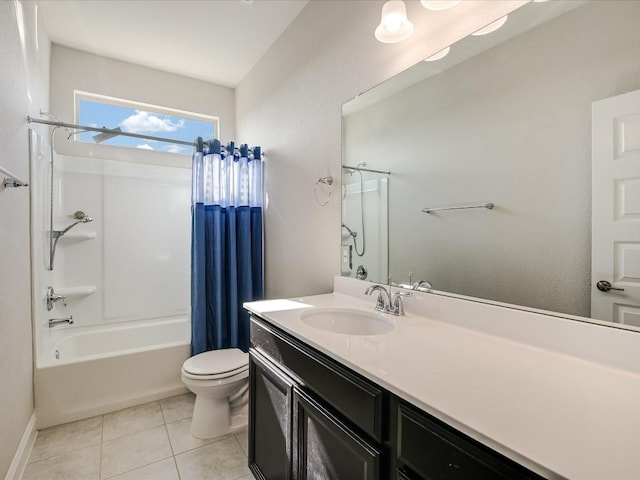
column 53, row 297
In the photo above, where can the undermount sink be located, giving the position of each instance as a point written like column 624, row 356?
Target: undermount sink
column 348, row 321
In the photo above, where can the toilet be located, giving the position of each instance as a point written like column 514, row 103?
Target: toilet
column 220, row 381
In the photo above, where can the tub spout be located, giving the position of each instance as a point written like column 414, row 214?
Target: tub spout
column 57, row 321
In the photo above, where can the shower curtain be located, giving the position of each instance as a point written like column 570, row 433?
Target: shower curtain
column 226, row 245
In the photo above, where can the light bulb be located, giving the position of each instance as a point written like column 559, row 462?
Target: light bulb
column 492, row 27
column 439, row 4
column 438, row 55
column 394, row 26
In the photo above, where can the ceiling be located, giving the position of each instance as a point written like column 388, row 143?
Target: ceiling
column 217, row 41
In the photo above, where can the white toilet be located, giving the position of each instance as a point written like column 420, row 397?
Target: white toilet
column 220, row 380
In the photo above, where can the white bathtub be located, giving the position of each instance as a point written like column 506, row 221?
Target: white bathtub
column 95, row 370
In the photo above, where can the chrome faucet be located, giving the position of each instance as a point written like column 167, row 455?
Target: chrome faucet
column 383, row 302
column 388, row 302
column 422, row 286
column 57, row 321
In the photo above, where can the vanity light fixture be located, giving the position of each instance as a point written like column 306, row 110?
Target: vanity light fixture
column 437, row 5
column 492, row 27
column 394, row 25
column 438, row 55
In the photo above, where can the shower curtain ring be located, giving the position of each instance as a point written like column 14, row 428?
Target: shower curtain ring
column 326, row 181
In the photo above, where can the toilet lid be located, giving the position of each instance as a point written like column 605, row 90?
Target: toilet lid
column 217, row 361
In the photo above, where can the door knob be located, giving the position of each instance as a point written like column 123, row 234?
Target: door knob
column 605, row 286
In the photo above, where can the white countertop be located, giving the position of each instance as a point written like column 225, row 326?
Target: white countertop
column 560, row 415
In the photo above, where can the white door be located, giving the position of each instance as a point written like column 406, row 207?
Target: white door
column 615, row 247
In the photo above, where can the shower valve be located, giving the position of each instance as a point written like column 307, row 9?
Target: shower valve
column 53, row 297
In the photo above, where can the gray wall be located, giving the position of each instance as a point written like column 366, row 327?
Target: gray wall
column 291, row 103
column 24, row 82
column 511, row 126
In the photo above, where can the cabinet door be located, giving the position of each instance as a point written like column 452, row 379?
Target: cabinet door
column 326, row 448
column 427, row 449
column 270, row 420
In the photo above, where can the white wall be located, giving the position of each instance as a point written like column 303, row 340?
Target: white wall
column 291, row 104
column 24, row 88
column 76, row 70
column 511, row 126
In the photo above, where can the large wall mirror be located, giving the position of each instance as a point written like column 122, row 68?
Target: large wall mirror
column 505, row 121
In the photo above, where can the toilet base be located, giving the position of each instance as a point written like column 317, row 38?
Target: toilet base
column 212, row 418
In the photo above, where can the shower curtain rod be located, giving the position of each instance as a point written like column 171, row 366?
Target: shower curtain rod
column 108, row 131
column 111, row 131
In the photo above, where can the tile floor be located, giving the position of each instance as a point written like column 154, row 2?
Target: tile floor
column 146, row 442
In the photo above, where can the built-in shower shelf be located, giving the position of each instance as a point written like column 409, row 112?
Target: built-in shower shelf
column 78, row 236
column 75, row 292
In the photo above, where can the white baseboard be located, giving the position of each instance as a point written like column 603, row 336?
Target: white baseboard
column 19, row 462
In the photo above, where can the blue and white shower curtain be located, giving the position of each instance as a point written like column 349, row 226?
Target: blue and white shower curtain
column 226, row 245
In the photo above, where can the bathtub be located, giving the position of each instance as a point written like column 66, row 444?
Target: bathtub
column 90, row 371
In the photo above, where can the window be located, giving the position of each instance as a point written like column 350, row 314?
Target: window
column 108, row 112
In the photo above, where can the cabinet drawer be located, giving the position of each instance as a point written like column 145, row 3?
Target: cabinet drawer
column 354, row 397
column 426, row 449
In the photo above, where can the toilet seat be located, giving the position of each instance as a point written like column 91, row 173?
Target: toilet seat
column 220, row 377
column 216, row 364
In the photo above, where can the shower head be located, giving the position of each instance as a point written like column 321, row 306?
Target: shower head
column 351, row 232
column 351, row 171
column 80, row 215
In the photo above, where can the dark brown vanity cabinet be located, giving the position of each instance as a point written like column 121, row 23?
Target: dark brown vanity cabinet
column 310, row 418
column 270, row 426
column 425, row 448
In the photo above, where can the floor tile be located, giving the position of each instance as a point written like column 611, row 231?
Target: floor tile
column 81, row 464
column 182, row 441
column 223, row 460
column 132, row 420
column 162, row 470
column 243, row 439
column 135, row 450
column 66, row 438
column 177, row 408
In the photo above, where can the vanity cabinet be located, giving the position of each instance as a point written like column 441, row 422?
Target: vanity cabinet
column 309, row 417
column 270, row 413
column 327, row 448
column 312, row 418
column 426, row 448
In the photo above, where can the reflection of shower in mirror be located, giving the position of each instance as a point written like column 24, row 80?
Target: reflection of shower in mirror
column 364, row 220
column 353, row 234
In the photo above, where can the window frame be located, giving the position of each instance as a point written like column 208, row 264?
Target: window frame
column 80, row 95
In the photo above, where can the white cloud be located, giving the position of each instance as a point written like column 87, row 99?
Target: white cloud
column 173, row 148
column 145, row 122
column 145, row 146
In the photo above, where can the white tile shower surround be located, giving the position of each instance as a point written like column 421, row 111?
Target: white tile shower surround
column 146, row 442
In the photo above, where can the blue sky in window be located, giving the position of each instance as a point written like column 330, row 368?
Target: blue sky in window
column 96, row 114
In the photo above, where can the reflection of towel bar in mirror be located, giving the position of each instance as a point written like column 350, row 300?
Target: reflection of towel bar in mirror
column 488, row 206
column 363, row 169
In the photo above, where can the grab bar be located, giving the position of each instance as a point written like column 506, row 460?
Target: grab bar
column 488, row 206
column 12, row 180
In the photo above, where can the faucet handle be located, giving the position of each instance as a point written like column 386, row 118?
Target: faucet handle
column 398, row 307
column 53, row 297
